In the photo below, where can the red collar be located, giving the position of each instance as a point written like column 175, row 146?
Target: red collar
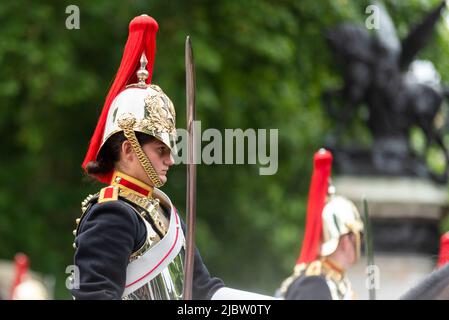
column 131, row 184
column 334, row 266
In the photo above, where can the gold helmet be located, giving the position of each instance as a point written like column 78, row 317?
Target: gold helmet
column 340, row 216
column 30, row 289
column 143, row 109
column 134, row 104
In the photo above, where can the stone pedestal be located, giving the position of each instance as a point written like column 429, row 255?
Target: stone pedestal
column 397, row 274
column 405, row 214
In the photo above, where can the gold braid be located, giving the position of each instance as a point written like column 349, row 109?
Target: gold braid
column 127, row 124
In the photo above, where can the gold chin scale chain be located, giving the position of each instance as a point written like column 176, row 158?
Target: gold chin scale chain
column 126, row 124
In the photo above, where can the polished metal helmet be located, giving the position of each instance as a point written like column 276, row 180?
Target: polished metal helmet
column 25, row 284
column 340, row 216
column 30, row 289
column 135, row 106
column 142, row 108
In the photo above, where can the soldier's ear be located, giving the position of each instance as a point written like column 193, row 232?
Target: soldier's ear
column 352, row 241
column 346, row 242
column 126, row 152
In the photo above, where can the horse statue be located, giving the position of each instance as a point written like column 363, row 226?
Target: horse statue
column 400, row 93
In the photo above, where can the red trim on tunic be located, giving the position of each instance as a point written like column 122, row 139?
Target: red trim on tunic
column 134, row 187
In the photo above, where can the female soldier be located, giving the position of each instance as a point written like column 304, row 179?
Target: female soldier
column 129, row 240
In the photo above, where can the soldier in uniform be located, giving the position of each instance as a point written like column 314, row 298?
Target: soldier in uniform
column 129, row 240
column 331, row 243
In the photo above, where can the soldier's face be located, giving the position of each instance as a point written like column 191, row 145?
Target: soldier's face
column 352, row 249
column 158, row 154
column 160, row 157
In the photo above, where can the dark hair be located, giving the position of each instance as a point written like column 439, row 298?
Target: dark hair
column 110, row 153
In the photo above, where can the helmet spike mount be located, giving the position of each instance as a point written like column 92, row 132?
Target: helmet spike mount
column 142, row 73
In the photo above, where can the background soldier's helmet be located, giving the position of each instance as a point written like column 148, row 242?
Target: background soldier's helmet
column 340, row 217
column 18, row 282
column 133, row 104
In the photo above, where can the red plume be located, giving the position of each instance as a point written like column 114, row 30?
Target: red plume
column 141, row 38
column 444, row 250
column 317, row 198
column 21, row 265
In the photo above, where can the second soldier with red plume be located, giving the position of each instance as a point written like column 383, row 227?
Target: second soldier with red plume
column 331, row 243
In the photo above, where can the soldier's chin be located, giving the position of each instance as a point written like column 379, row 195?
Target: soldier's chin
column 163, row 178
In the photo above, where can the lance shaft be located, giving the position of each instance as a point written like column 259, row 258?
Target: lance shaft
column 191, row 172
column 369, row 252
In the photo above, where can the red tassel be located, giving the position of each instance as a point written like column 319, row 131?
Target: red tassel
column 317, row 198
column 21, row 265
column 444, row 250
column 142, row 37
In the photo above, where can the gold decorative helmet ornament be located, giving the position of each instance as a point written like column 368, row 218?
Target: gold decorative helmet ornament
column 133, row 104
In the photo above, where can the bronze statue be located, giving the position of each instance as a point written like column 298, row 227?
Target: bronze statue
column 380, row 72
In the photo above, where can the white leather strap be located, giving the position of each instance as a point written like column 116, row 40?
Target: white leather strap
column 142, row 270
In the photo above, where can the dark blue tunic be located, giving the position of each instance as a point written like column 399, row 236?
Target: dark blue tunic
column 309, row 288
column 108, row 234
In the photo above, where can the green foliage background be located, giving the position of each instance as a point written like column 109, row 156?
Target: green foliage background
column 259, row 64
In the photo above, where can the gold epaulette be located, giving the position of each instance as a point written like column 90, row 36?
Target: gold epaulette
column 314, row 268
column 297, row 272
column 335, row 279
column 322, row 268
column 331, row 271
column 108, row 194
column 85, row 204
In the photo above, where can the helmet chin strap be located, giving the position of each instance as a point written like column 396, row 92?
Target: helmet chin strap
column 357, row 232
column 358, row 245
column 127, row 124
